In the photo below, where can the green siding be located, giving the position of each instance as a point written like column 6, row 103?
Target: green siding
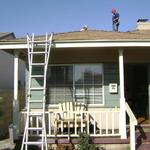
column 111, row 75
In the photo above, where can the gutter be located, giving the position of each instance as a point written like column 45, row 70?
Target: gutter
column 80, row 43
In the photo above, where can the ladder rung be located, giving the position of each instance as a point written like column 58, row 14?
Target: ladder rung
column 37, row 88
column 33, row 143
column 44, row 41
column 35, row 114
column 38, row 64
column 36, row 101
column 39, row 52
column 37, row 76
column 35, row 128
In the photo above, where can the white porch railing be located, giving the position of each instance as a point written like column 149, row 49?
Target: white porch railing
column 133, row 123
column 70, row 124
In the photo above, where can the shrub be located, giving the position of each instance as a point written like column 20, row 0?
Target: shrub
column 84, row 142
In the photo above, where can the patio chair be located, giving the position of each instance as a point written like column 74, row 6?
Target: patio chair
column 70, row 113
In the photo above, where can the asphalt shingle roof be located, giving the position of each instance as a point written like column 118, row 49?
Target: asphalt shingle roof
column 94, row 35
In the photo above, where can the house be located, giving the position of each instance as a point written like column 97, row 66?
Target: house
column 6, row 80
column 6, row 65
column 108, row 72
column 7, row 83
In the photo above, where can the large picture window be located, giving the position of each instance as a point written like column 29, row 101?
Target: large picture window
column 81, row 83
column 60, row 84
column 88, row 84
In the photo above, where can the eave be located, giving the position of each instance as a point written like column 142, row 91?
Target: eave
column 80, row 44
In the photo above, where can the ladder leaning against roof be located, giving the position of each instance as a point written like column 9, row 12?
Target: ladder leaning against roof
column 38, row 58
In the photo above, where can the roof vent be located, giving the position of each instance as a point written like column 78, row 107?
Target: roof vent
column 143, row 24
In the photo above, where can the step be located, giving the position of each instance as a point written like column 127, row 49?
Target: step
column 143, row 146
column 144, row 127
column 93, row 140
column 143, row 137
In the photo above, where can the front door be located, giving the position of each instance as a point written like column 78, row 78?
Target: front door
column 136, row 90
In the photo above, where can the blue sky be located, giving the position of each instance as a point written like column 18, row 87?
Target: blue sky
column 41, row 16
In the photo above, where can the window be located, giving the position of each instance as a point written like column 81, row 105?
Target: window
column 82, row 83
column 60, row 84
column 88, row 84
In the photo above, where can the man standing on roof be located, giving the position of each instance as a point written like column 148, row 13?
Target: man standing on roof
column 115, row 20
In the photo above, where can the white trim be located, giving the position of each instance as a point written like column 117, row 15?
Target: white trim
column 90, row 105
column 122, row 96
column 83, row 43
column 15, row 99
column 14, row 46
column 101, row 44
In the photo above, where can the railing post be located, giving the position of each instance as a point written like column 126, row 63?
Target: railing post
column 132, row 135
column 133, row 123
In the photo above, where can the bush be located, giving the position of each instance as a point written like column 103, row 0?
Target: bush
column 84, row 142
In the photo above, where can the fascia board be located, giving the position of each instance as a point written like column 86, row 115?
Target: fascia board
column 103, row 44
column 82, row 44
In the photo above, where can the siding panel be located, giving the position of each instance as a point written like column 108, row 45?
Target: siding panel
column 111, row 75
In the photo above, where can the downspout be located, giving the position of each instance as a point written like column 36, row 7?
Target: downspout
column 15, row 98
column 122, row 97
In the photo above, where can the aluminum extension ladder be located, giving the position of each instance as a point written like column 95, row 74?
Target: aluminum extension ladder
column 38, row 58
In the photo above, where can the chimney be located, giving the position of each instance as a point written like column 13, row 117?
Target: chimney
column 143, row 24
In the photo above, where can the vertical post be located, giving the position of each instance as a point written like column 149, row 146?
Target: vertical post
column 132, row 136
column 15, row 99
column 122, row 96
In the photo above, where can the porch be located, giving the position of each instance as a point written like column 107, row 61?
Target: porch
column 102, row 126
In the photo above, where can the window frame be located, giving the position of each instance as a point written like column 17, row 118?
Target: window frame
column 73, row 84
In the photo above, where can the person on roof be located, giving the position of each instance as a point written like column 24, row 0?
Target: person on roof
column 84, row 28
column 115, row 19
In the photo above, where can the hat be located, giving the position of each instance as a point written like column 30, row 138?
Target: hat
column 113, row 10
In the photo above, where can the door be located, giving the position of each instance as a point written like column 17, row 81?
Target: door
column 136, row 90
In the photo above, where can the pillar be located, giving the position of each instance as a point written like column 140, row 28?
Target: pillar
column 15, row 98
column 122, row 96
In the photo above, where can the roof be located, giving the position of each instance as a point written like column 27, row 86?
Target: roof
column 90, row 38
column 102, row 35
column 92, row 35
column 6, row 35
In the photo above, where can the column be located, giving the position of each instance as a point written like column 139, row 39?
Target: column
column 122, row 96
column 15, row 98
